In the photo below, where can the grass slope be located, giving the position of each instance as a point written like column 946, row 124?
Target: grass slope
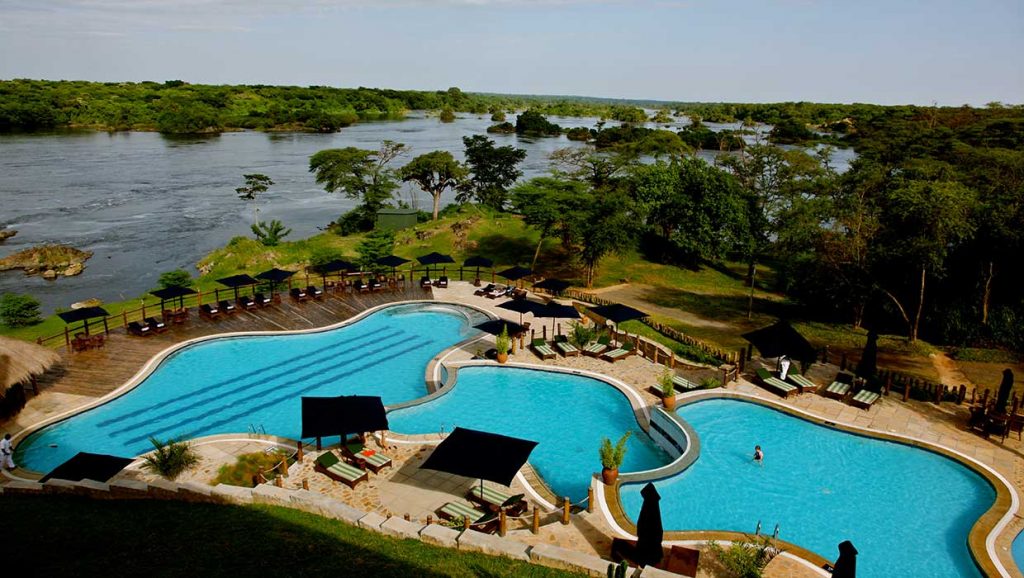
column 67, row 536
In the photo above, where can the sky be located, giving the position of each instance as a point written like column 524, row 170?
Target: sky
column 948, row 52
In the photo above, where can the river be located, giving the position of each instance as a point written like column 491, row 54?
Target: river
column 146, row 203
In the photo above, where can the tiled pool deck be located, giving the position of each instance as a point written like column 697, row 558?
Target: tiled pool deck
column 405, row 489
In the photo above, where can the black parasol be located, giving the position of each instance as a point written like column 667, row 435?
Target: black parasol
column 552, row 285
column 236, row 281
column 521, row 306
column 84, row 465
column 781, row 339
column 173, row 292
column 393, row 261
column 495, row 326
column 556, row 310
column 478, row 454
column 83, row 314
column 434, row 258
column 618, row 313
column 342, row 415
column 1005, row 387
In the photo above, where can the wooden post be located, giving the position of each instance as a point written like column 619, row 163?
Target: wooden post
column 535, row 526
column 888, row 384
column 566, row 508
column 318, row 448
column 743, row 358
column 672, row 359
column 502, row 522
column 984, row 398
column 408, row 518
column 124, row 317
column 305, row 484
column 842, row 361
column 906, row 390
column 278, row 482
column 430, row 519
column 590, row 499
column 283, row 468
column 962, row 394
column 544, row 332
column 974, row 393
column 465, row 522
column 67, row 338
column 299, row 454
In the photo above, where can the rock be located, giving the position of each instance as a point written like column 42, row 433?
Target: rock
column 74, row 269
column 49, row 274
column 94, row 302
column 47, row 260
column 7, row 234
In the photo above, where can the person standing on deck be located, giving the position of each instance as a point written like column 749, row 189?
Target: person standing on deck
column 784, row 367
column 6, row 453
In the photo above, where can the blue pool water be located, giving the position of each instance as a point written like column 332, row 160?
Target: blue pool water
column 227, row 385
column 908, row 511
column 1018, row 550
column 567, row 414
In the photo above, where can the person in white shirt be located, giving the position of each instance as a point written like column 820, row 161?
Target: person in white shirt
column 784, row 367
column 6, row 453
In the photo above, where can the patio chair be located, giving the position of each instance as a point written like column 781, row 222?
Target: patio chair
column 683, row 385
column 357, row 454
column 209, row 311
column 298, row 294
column 315, row 292
column 496, row 500
column 227, row 307
column 840, row 387
column 376, row 285
column 484, row 290
column 598, row 347
column 442, row 282
column 246, row 302
column 774, row 384
column 486, row 522
column 156, row 325
column 359, row 286
column 262, row 300
column 139, row 330
column 864, row 399
column 425, row 282
column 542, row 349
column 802, row 382
column 496, row 291
column 621, row 352
column 331, row 466
column 518, row 294
column 564, row 347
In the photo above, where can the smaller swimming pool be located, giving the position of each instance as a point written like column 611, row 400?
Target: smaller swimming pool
column 568, row 415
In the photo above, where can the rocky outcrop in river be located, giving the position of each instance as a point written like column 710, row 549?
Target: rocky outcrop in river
column 7, row 234
column 48, row 261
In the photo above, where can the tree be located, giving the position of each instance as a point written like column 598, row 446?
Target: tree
column 270, row 234
column 361, row 174
column 447, row 115
column 434, row 172
column 550, row 205
column 19, row 310
column 378, row 243
column 532, row 123
column 493, row 170
column 176, row 278
column 606, row 227
column 255, row 183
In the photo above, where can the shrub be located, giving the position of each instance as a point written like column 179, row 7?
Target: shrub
column 612, row 455
column 498, row 116
column 19, row 310
column 447, row 115
column 270, row 234
column 502, row 343
column 320, row 256
column 170, row 458
column 710, row 383
column 241, row 473
column 176, row 278
column 744, row 559
column 378, row 243
column 580, row 335
column 665, row 381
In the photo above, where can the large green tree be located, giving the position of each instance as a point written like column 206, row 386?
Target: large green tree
column 434, row 172
column 552, row 205
column 361, row 174
column 492, row 171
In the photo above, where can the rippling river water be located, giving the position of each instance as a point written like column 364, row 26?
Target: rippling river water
column 145, row 203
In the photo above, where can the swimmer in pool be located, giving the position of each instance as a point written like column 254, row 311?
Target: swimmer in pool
column 758, row 455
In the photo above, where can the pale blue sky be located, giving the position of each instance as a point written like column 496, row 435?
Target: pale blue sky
column 900, row 51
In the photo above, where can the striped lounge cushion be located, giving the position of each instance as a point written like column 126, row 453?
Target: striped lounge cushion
column 866, row 397
column 346, row 470
column 544, row 349
column 617, row 353
column 838, row 388
column 595, row 348
column 459, row 511
column 780, row 385
column 377, row 459
column 684, row 384
column 566, row 347
column 802, row 381
column 490, row 495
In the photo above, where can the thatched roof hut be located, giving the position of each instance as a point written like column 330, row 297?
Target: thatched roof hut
column 22, row 360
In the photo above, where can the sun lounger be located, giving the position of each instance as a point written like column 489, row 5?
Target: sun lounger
column 495, row 500
column 329, row 465
column 262, row 300
column 359, row 286
column 775, row 384
column 315, row 292
column 156, row 325
column 621, row 352
column 486, row 522
column 138, row 329
column 496, row 291
column 598, row 347
column 246, row 302
column 425, row 282
column 484, row 290
column 376, row 285
column 298, row 294
column 683, row 385
column 227, row 307
column 841, row 387
column 864, row 399
column 802, row 382
column 370, row 459
column 564, row 347
column 542, row 349
column 209, row 311
column 442, row 282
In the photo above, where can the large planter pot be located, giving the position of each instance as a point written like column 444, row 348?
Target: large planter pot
column 502, row 357
column 609, row 475
column 670, row 402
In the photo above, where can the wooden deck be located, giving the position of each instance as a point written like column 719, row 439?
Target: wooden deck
column 97, row 372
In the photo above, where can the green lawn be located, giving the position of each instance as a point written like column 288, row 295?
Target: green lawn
column 68, row 536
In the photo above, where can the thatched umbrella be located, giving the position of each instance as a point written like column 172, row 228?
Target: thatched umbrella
column 20, row 361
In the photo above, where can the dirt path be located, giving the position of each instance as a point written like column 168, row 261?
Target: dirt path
column 949, row 373
column 635, row 295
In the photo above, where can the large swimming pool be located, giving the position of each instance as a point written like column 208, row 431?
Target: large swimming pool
column 230, row 385
column 567, row 414
column 908, row 511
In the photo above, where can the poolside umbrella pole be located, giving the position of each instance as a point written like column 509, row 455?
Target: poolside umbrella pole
column 846, row 564
column 556, row 310
column 477, row 262
column 236, row 281
column 434, row 258
column 649, row 532
column 478, row 454
column 273, row 276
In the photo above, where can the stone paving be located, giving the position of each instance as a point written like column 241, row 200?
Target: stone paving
column 405, row 489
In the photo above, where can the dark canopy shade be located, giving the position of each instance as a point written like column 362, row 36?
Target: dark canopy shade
column 868, row 364
column 83, row 465
column 478, row 262
column 649, row 532
column 553, row 285
column 82, row 314
column 335, row 265
column 846, row 564
column 478, row 454
column 515, row 273
column 781, row 339
column 342, row 415
column 172, row 292
column 236, row 281
column 520, row 306
column 275, row 275
column 392, row 261
column 435, row 258
column 557, row 311
column 494, row 327
column 1005, row 386
column 618, row 313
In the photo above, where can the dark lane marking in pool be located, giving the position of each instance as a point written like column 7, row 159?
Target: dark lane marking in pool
column 254, row 373
column 279, row 399
column 177, row 409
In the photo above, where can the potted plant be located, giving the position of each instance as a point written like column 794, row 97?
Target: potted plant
column 502, row 344
column 611, row 458
column 668, row 390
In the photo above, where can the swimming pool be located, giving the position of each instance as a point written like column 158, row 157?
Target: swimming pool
column 567, row 414
column 230, row 385
column 907, row 510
